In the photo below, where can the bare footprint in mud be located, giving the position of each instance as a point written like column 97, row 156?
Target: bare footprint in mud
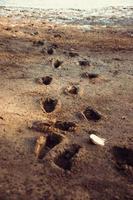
column 65, row 160
column 46, row 80
column 65, row 126
column 49, row 105
column 52, row 140
column 91, row 114
column 123, row 160
column 41, row 126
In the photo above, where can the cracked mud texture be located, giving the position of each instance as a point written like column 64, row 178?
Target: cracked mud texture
column 70, row 166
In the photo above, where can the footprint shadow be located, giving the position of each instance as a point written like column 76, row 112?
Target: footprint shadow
column 123, row 160
column 65, row 126
column 65, row 160
column 52, row 140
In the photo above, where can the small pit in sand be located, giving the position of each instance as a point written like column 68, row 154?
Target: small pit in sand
column 91, row 114
column 46, row 80
column 124, row 160
column 52, row 140
column 65, row 126
column 65, row 160
column 57, row 63
column 49, row 104
column 72, row 90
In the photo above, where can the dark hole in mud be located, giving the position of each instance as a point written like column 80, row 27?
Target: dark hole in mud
column 123, row 157
column 50, row 51
column 8, row 28
column 117, row 59
column 89, row 75
column 84, row 63
column 57, row 36
column 38, row 43
column 92, row 114
column 55, row 46
column 65, row 159
column 73, row 90
column 51, row 141
column 46, row 80
column 41, row 126
column 65, row 126
column 73, row 54
column 49, row 105
column 58, row 63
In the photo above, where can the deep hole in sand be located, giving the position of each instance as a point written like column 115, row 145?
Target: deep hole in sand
column 49, row 105
column 65, row 126
column 92, row 114
column 123, row 157
column 46, row 80
column 57, row 63
column 51, row 141
column 50, row 51
column 64, row 160
column 72, row 90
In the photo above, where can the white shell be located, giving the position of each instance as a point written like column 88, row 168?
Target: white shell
column 97, row 140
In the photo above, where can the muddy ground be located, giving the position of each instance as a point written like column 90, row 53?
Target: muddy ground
column 64, row 83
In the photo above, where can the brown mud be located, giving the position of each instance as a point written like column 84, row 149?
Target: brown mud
column 34, row 70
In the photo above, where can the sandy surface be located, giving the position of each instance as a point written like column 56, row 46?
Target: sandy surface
column 95, row 74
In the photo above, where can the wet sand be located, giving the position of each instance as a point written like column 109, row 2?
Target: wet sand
column 64, row 83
